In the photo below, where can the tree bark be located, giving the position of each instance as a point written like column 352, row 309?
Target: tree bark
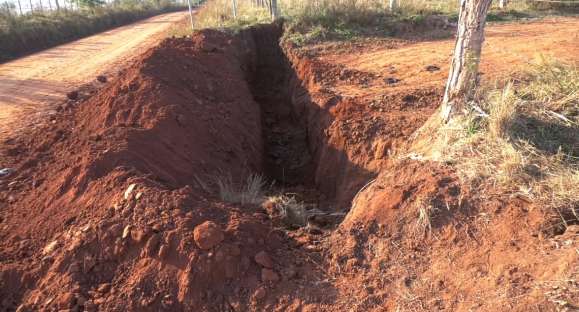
column 503, row 4
column 463, row 76
column 274, row 11
column 234, row 4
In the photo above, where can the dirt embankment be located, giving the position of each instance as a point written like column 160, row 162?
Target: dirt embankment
column 113, row 203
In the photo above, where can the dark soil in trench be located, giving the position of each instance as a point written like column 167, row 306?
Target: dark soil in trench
column 287, row 159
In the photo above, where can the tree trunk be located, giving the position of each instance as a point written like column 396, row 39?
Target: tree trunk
column 31, row 8
column 274, row 11
column 57, row 5
column 234, row 4
column 392, row 5
column 19, row 7
column 503, row 4
column 431, row 139
column 463, row 76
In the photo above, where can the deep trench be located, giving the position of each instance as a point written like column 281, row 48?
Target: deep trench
column 287, row 159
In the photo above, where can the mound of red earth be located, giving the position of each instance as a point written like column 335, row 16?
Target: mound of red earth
column 108, row 210
column 113, row 203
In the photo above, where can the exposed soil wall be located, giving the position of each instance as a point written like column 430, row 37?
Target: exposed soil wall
column 111, row 187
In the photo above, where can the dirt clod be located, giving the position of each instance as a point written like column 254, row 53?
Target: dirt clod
column 72, row 95
column 263, row 259
column 208, row 235
column 269, row 275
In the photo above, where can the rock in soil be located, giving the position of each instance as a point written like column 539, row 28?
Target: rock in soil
column 263, row 259
column 72, row 95
column 208, row 235
column 268, row 275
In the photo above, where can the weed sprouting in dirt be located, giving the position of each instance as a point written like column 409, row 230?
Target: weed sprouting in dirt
column 291, row 211
column 250, row 192
column 527, row 144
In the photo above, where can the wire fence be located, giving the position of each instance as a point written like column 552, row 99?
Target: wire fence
column 21, row 7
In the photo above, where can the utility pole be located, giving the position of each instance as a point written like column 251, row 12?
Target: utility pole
column 274, row 11
column 234, row 3
column 190, row 14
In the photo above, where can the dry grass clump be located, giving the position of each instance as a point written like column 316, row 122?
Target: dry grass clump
column 528, row 141
column 219, row 14
column 250, row 192
column 291, row 211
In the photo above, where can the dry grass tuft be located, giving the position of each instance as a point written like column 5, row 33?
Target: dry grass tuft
column 291, row 211
column 250, row 192
column 528, row 143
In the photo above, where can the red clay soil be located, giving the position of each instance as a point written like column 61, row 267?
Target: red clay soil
column 100, row 212
column 113, row 204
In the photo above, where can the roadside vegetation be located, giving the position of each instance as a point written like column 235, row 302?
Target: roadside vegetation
column 26, row 33
column 320, row 20
column 521, row 139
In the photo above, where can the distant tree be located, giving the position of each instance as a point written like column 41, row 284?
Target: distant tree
column 7, row 8
column 503, row 4
column 392, row 5
column 90, row 3
column 274, row 10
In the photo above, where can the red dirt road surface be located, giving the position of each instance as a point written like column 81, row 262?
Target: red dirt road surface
column 29, row 84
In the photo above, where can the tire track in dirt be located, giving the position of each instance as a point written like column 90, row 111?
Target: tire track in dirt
column 29, row 85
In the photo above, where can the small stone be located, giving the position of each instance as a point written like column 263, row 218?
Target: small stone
column 137, row 235
column 80, row 300
column 152, row 244
column 50, row 247
column 260, row 293
column 163, row 251
column 268, row 275
column 104, row 288
column 263, row 259
column 126, row 231
column 129, row 191
column 432, row 68
column 6, row 172
column 72, row 95
column 101, row 78
column 65, row 300
column 208, row 235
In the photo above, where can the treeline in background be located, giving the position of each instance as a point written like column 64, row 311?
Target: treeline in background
column 30, row 25
column 348, row 13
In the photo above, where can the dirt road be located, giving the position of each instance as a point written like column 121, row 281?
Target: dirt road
column 30, row 84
